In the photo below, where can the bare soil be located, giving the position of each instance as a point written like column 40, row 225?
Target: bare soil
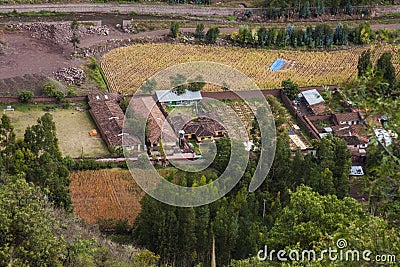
column 25, row 55
column 21, row 54
column 25, row 62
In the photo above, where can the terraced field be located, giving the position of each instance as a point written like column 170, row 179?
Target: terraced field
column 128, row 67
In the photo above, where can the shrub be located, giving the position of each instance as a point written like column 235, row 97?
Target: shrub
column 59, row 95
column 174, row 29
column 49, row 108
column 25, row 96
column 49, row 89
column 212, row 35
column 199, row 34
column 71, row 93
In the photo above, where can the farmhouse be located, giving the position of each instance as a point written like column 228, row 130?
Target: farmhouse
column 354, row 134
column 347, row 126
column 172, row 98
column 350, row 118
column 108, row 116
column 158, row 126
column 314, row 101
column 109, row 119
column 203, row 128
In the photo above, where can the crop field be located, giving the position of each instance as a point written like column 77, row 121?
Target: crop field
column 72, row 129
column 105, row 194
column 235, row 113
column 128, row 67
column 244, row 112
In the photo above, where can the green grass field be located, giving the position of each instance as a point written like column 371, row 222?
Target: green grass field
column 72, row 128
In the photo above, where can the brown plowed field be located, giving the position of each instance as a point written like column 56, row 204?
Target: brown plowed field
column 105, row 194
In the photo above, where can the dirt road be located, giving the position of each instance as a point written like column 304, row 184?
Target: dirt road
column 125, row 9
column 148, row 9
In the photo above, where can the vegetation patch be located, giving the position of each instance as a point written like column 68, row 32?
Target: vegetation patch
column 42, row 13
column 94, row 72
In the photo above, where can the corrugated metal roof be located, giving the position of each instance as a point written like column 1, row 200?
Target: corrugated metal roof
column 170, row 95
column 356, row 171
column 312, row 97
column 383, row 137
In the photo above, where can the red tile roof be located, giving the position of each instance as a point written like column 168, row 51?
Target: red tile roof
column 319, row 108
column 345, row 117
column 352, row 134
column 108, row 117
column 159, row 127
column 203, row 127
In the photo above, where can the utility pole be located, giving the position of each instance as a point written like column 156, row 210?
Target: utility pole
column 264, row 208
column 213, row 260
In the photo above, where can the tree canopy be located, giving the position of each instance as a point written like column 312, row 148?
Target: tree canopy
column 29, row 231
column 291, row 89
column 364, row 63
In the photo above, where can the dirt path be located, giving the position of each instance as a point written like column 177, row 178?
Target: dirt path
column 115, row 34
column 147, row 9
column 391, row 26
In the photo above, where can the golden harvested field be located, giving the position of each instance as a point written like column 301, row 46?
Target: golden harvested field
column 128, row 67
column 109, row 194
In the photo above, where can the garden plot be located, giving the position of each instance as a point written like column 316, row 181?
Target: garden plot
column 236, row 113
column 244, row 112
column 225, row 115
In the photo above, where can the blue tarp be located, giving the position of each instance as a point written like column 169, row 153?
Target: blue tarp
column 277, row 65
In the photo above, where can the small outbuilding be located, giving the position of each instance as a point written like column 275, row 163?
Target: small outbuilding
column 356, row 171
column 172, row 98
column 314, row 101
